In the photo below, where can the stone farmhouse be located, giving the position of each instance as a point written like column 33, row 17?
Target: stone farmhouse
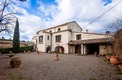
column 68, row 38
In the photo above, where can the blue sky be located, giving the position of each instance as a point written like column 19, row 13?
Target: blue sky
column 40, row 14
column 107, row 2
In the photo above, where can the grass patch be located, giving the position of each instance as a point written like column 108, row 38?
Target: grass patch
column 104, row 60
column 92, row 79
column 15, row 77
column 119, row 73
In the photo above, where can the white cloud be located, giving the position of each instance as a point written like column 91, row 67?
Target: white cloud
column 29, row 25
column 85, row 11
column 82, row 11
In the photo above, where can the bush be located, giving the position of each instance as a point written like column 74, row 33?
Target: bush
column 5, row 50
column 27, row 48
column 118, row 43
column 109, row 54
column 22, row 49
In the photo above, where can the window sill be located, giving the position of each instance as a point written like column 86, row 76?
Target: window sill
column 58, row 42
column 40, row 42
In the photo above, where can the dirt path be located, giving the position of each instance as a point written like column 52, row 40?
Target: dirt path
column 70, row 67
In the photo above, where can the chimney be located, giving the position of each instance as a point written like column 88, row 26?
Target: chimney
column 108, row 32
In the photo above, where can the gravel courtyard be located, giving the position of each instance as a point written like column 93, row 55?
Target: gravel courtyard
column 70, row 67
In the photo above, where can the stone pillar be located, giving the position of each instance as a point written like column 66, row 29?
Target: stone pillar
column 82, row 53
column 84, row 47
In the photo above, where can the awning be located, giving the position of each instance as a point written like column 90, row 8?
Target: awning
column 91, row 41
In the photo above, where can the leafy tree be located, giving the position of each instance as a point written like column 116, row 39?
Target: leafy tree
column 16, row 38
column 7, row 18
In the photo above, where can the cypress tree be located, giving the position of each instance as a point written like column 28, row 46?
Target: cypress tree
column 16, row 38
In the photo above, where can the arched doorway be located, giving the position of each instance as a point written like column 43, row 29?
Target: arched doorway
column 48, row 49
column 59, row 49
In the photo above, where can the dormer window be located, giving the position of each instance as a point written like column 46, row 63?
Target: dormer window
column 59, row 29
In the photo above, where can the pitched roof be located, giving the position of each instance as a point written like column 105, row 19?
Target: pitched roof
column 60, row 25
column 91, row 41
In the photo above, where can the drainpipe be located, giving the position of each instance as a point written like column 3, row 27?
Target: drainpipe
column 36, row 44
column 51, row 41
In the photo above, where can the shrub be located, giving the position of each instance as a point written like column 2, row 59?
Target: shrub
column 118, row 43
column 109, row 54
column 5, row 50
column 26, row 48
column 22, row 49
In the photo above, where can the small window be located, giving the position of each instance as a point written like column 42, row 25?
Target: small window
column 50, row 31
column 58, row 38
column 59, row 29
column 48, row 37
column 78, row 37
column 40, row 38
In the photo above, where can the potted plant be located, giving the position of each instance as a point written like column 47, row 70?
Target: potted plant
column 114, row 60
column 57, row 55
column 108, row 55
column 10, row 54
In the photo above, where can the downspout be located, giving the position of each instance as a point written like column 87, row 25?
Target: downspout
column 51, row 41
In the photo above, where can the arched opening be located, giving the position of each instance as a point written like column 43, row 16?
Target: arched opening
column 59, row 49
column 48, row 49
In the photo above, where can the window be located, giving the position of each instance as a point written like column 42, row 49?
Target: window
column 78, row 37
column 40, row 38
column 48, row 37
column 59, row 29
column 58, row 38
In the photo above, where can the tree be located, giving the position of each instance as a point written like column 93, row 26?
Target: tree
column 16, row 38
column 7, row 18
column 118, row 43
column 117, row 26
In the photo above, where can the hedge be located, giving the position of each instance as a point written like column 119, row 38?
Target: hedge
column 22, row 49
column 27, row 48
column 5, row 50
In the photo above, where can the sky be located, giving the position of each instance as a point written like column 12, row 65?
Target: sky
column 35, row 15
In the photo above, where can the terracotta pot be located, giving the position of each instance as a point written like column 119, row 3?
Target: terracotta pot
column 114, row 60
column 120, row 67
column 15, row 62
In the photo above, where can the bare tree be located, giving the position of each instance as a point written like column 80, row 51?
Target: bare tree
column 6, row 18
column 117, row 27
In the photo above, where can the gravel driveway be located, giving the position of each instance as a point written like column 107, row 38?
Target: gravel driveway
column 70, row 67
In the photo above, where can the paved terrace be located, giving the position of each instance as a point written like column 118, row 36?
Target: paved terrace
column 70, row 67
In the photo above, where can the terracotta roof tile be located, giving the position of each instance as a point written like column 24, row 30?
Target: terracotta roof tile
column 90, row 41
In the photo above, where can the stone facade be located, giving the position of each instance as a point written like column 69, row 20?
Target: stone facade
column 58, row 38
